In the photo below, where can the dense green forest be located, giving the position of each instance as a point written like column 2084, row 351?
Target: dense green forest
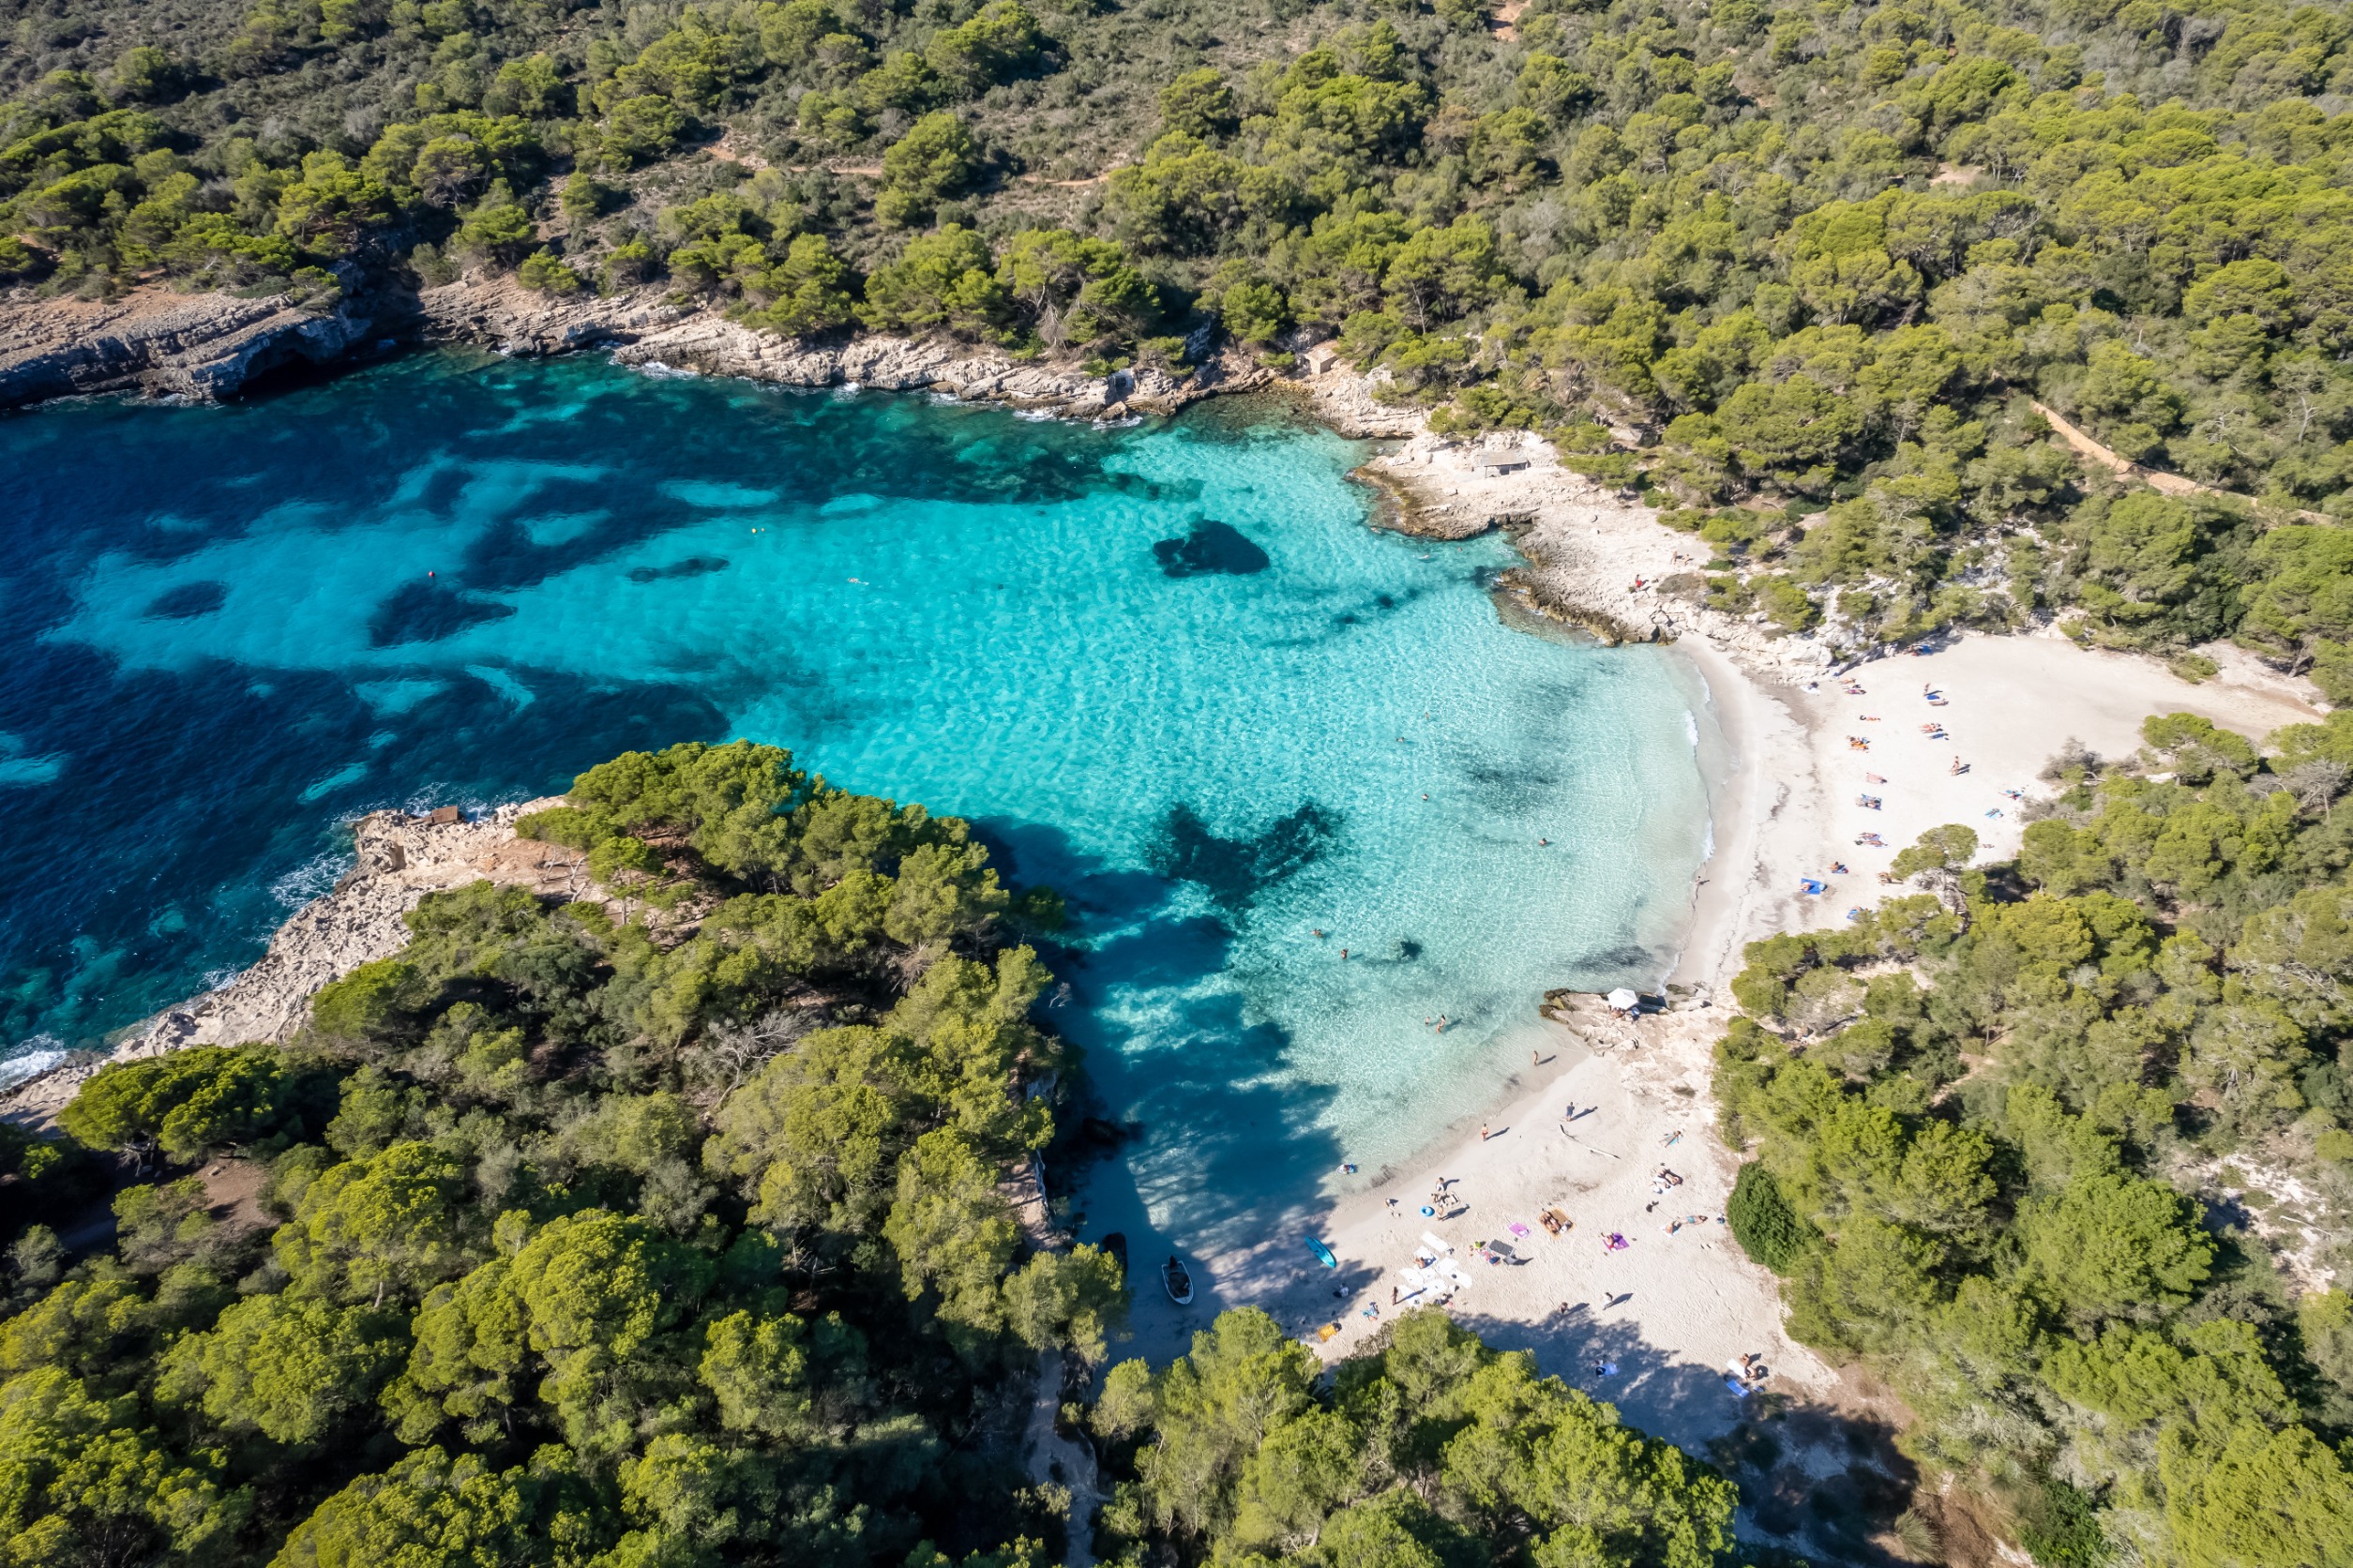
column 558, row 1239
column 1801, row 270
column 1429, row 1451
column 666, row 1229
column 1995, row 1121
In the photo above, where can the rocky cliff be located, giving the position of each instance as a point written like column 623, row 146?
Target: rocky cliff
column 164, row 344
column 400, row 858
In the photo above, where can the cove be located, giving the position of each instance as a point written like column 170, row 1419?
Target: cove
column 1167, row 670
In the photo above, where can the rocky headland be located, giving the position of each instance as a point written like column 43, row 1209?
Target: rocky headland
column 400, row 859
column 1593, row 556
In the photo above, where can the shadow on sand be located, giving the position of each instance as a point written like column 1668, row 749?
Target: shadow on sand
column 1193, row 1116
column 1821, row 1484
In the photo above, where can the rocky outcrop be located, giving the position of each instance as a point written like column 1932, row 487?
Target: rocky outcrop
column 645, row 326
column 212, row 345
column 1592, row 555
column 185, row 345
column 1351, row 404
column 500, row 313
column 715, row 346
column 400, row 858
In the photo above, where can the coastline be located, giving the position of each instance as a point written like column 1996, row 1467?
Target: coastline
column 1758, row 770
column 1778, row 770
column 211, row 346
column 398, row 859
column 1786, row 802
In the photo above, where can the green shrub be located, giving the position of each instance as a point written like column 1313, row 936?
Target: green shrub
column 543, row 272
column 1767, row 1229
column 2065, row 1531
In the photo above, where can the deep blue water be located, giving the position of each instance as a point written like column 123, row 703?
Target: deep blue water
column 1168, row 669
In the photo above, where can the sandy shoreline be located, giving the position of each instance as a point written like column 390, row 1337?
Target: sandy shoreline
column 1789, row 795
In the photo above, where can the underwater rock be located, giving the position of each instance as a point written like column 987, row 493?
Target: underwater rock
column 427, row 613
column 1211, row 546
column 1233, row 872
column 693, row 566
column 186, row 602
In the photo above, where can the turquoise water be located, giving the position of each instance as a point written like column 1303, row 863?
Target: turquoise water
column 453, row 577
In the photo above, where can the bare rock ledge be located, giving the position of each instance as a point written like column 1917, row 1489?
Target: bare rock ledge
column 401, row 859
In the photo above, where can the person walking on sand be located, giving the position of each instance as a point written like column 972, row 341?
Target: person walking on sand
column 1483, row 1132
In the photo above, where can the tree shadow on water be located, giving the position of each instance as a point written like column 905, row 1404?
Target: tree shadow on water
column 1219, row 1154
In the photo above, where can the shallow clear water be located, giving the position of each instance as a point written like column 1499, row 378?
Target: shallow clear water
column 227, row 630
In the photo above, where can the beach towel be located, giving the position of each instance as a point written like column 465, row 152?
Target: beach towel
column 1517, row 1228
column 1437, row 1246
column 1739, row 1389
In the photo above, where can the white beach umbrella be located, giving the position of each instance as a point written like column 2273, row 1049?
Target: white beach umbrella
column 1623, row 999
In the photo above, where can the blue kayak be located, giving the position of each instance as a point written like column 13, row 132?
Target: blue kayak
column 1323, row 1254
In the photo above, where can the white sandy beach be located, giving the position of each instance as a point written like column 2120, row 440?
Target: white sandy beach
column 1669, row 1310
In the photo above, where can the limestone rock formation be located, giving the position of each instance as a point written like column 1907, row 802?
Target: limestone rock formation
column 716, row 346
column 211, row 345
column 401, row 859
column 165, row 344
column 502, row 314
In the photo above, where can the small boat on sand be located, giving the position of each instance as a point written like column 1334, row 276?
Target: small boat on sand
column 1179, row 1282
column 1323, row 1254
